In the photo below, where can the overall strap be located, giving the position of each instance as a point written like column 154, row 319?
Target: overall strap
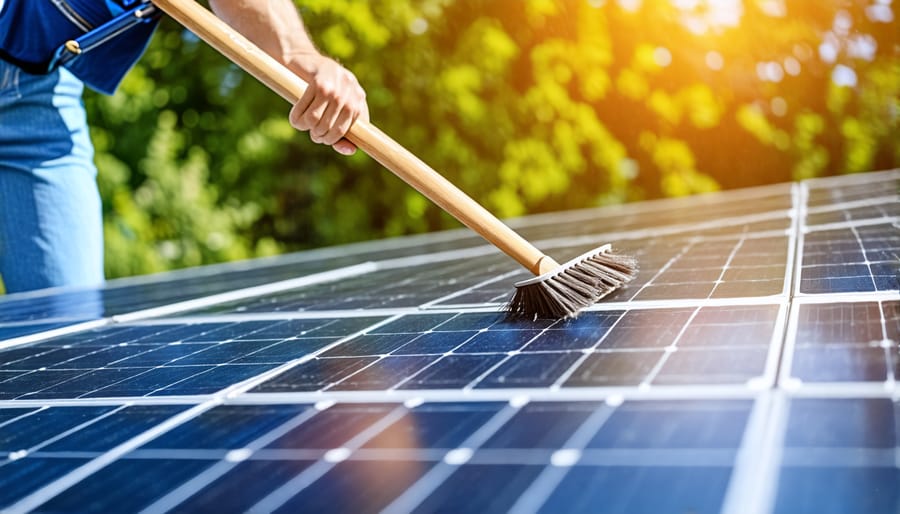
column 144, row 12
column 138, row 11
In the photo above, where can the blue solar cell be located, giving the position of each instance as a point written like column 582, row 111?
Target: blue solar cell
column 24, row 476
column 676, row 424
column 161, row 355
column 19, row 330
column 8, row 375
column 837, row 490
column 842, row 423
column 340, row 327
column 731, row 326
column 314, row 375
column 632, row 489
column 225, row 352
column 530, row 370
column 491, row 320
column 215, row 379
column 97, row 358
column 16, row 358
column 285, row 351
column 542, row 425
column 409, row 286
column 114, row 429
column 853, row 275
column 647, row 329
column 9, row 414
column 713, row 366
column 480, row 488
column 370, row 344
column 733, row 362
column 120, row 299
column 384, row 373
column 226, row 427
column 106, row 491
column 614, row 368
column 357, row 486
column 556, row 340
column 147, row 381
column 333, row 427
column 153, row 334
column 840, row 363
column 886, row 275
column 858, row 322
column 434, row 343
column 60, row 358
column 852, row 259
column 831, row 284
column 74, row 305
column 240, row 488
column 435, row 425
column 303, row 327
column 85, row 383
column 418, row 324
column 19, row 384
column 452, row 372
column 498, row 341
column 163, row 359
column 29, row 431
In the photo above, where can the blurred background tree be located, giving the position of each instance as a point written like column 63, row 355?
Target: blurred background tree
column 528, row 105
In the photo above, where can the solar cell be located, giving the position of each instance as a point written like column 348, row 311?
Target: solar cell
column 751, row 367
column 851, row 259
column 604, row 348
column 846, row 342
column 848, row 443
column 399, row 453
column 131, row 360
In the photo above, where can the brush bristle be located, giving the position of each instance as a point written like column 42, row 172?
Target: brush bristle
column 578, row 285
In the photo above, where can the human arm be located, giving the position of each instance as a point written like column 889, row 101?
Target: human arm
column 334, row 98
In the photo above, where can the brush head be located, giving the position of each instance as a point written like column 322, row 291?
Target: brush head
column 573, row 286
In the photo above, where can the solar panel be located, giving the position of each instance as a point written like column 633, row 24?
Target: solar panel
column 750, row 367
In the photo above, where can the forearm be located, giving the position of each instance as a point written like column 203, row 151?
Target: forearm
column 274, row 26
column 333, row 99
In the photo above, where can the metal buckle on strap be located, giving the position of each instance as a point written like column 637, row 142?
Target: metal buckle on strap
column 145, row 12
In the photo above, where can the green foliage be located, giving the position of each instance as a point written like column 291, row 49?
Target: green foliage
column 528, row 105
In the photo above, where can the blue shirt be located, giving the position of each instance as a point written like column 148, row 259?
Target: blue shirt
column 32, row 30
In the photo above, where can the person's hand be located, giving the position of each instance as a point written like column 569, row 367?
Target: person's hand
column 331, row 103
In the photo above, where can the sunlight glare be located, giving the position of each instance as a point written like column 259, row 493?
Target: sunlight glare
column 714, row 60
column 843, row 76
column 792, row 66
column 702, row 16
column 880, row 13
column 779, row 106
column 662, row 56
column 773, row 8
column 630, row 5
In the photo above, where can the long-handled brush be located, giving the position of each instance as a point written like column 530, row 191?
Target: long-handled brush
column 556, row 292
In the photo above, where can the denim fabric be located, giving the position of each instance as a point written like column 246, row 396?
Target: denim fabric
column 51, row 231
column 32, row 30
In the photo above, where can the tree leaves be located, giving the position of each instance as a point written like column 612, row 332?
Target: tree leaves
column 528, row 106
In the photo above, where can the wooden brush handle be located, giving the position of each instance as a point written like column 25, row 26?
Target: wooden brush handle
column 366, row 136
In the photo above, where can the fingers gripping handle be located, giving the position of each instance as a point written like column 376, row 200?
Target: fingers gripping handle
column 366, row 136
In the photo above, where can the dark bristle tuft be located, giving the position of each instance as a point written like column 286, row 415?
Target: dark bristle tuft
column 574, row 286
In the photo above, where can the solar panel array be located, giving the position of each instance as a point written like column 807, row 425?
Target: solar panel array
column 751, row 367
